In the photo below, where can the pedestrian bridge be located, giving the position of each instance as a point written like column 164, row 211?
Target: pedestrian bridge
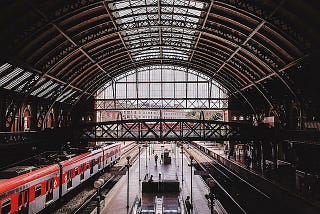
column 170, row 130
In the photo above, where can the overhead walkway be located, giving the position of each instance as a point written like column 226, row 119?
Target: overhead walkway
column 172, row 129
column 116, row 199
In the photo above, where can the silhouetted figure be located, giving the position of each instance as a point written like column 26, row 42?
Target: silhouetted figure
column 188, row 205
column 247, row 161
column 156, row 158
column 150, row 179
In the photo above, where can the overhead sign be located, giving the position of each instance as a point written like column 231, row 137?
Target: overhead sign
column 200, row 172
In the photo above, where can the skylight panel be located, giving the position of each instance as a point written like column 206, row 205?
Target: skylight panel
column 41, row 88
column 127, row 20
column 10, row 76
column 50, row 88
column 4, row 67
column 18, row 80
column 65, row 95
column 190, row 12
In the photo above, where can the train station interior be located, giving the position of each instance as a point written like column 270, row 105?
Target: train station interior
column 159, row 106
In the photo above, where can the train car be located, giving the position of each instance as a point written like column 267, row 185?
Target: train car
column 34, row 190
column 111, row 154
column 78, row 169
column 30, row 192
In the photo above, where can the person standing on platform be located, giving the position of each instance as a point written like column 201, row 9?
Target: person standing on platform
column 150, row 179
column 156, row 158
column 188, row 205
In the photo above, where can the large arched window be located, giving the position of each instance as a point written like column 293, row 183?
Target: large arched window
column 162, row 87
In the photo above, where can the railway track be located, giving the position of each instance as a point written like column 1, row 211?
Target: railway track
column 82, row 199
column 235, row 194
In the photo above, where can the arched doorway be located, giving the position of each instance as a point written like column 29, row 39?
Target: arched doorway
column 50, row 121
column 26, row 119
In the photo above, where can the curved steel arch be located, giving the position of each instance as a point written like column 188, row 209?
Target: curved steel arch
column 63, row 42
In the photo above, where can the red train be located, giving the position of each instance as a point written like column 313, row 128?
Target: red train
column 33, row 191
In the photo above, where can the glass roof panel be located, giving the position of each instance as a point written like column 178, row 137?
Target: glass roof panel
column 7, row 78
column 4, row 67
column 174, row 12
column 18, row 80
column 42, row 87
column 48, row 89
column 64, row 95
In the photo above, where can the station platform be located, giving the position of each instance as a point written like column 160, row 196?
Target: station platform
column 116, row 199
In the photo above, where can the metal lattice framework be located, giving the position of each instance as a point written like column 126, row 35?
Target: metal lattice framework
column 167, row 130
column 66, row 50
column 161, row 87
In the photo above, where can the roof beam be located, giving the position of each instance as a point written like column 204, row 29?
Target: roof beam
column 122, row 41
column 289, row 65
column 117, row 30
column 160, row 29
column 260, row 25
column 46, row 74
column 72, row 42
column 201, row 30
column 79, row 48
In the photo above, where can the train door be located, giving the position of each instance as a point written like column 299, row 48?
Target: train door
column 106, row 157
column 49, row 190
column 91, row 166
column 99, row 162
column 69, row 183
column 23, row 202
column 82, row 171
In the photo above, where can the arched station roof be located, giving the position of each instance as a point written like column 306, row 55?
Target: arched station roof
column 67, row 50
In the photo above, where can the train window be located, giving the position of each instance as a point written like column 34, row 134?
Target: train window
column 23, row 198
column 37, row 192
column 76, row 171
column 6, row 206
